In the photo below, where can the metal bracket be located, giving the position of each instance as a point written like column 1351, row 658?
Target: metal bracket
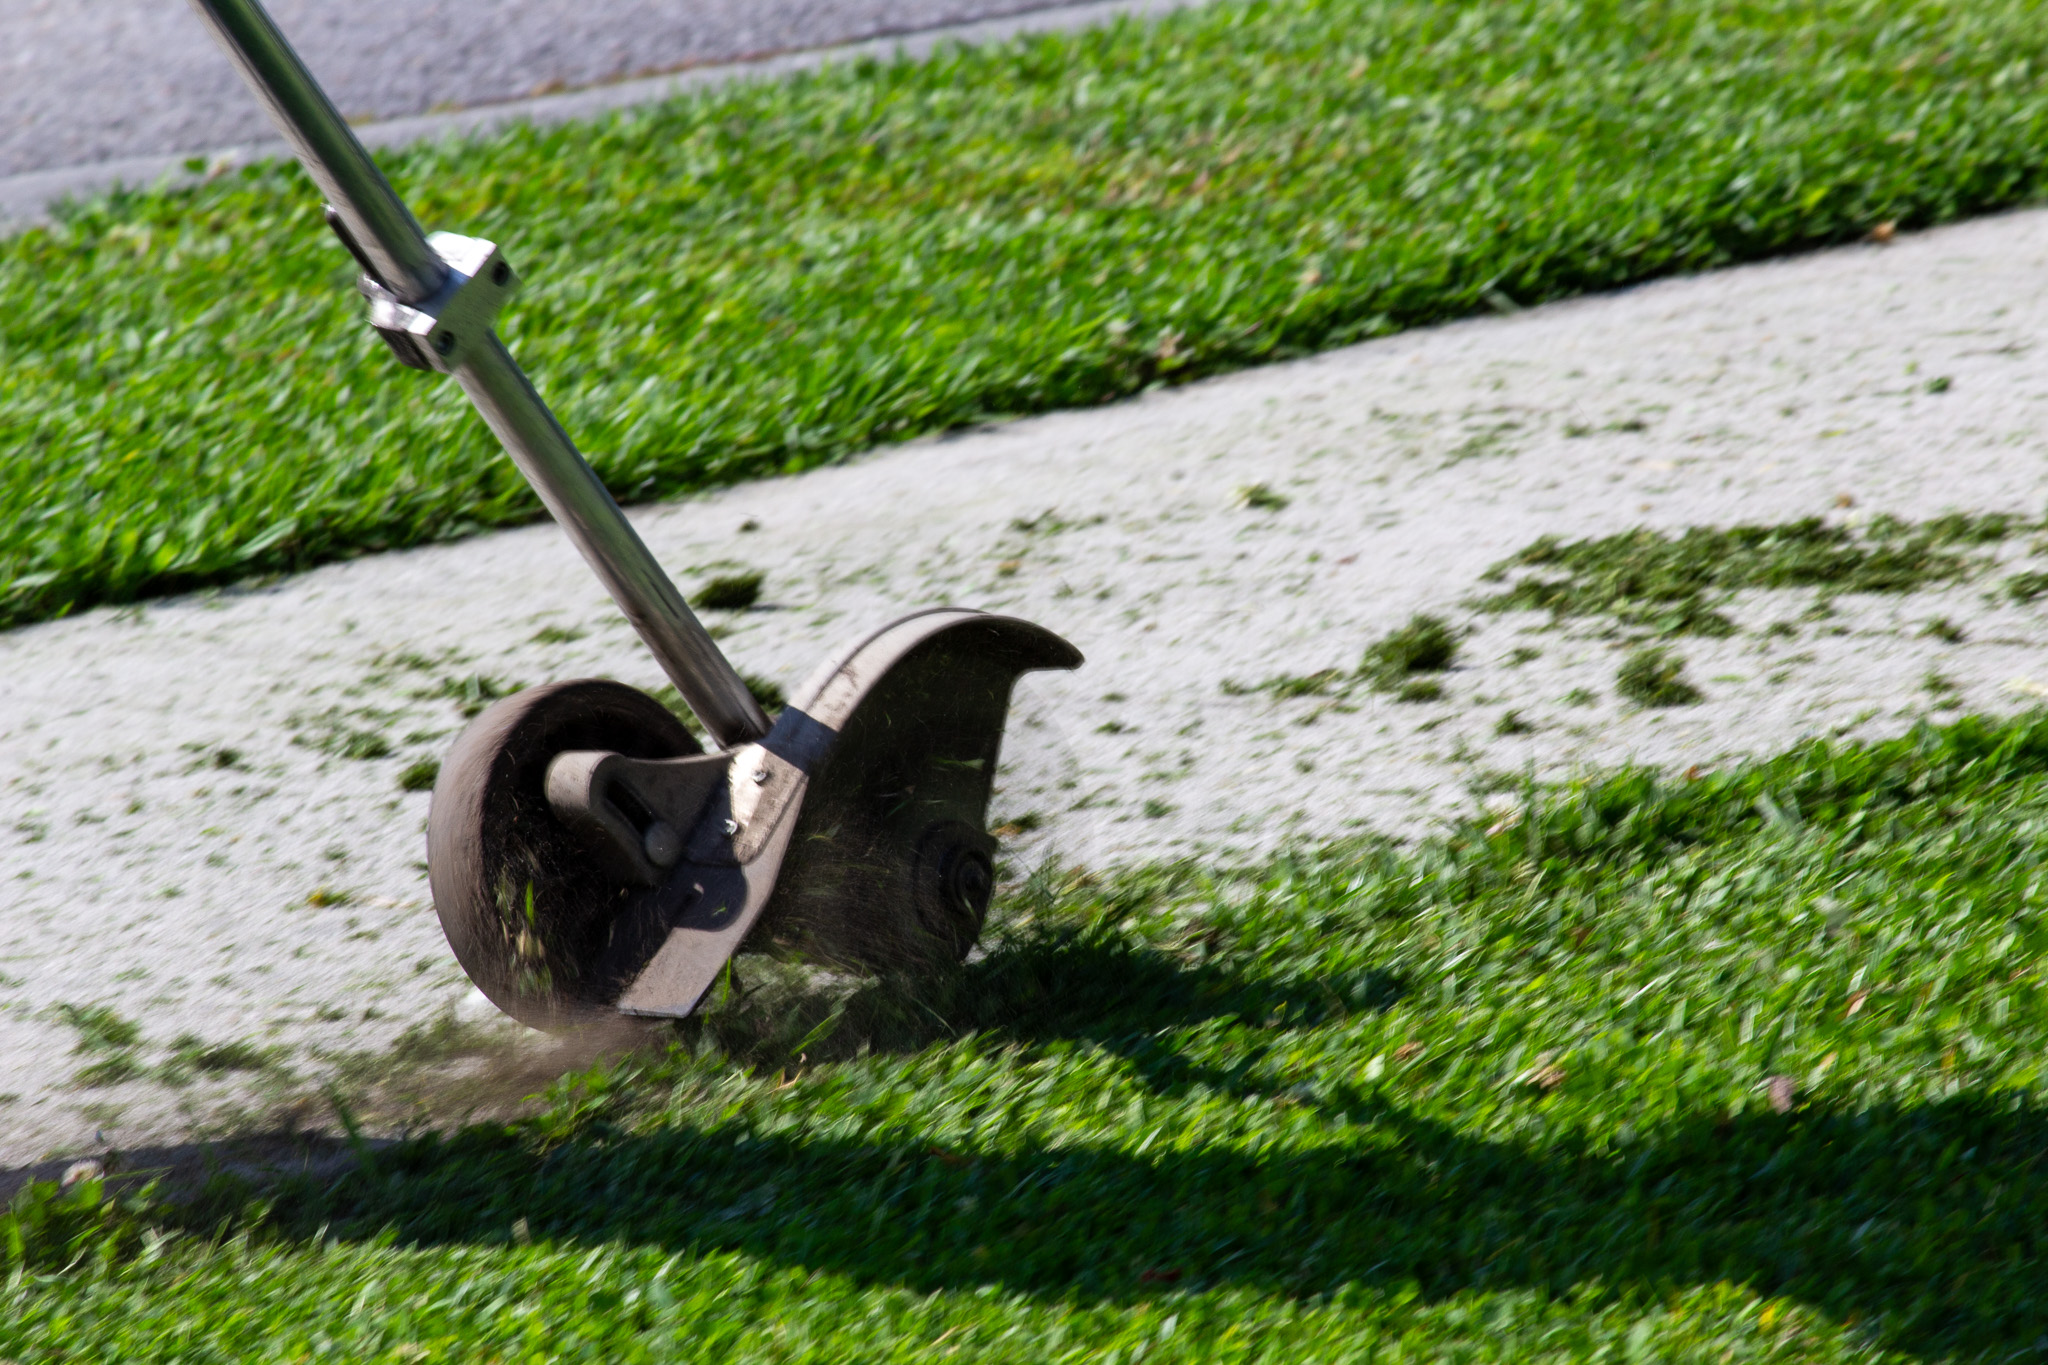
column 636, row 812
column 434, row 333
column 852, row 832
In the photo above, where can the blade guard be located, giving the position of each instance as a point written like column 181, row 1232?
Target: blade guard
column 854, row 832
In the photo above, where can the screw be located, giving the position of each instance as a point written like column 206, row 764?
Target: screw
column 444, row 342
column 500, row 273
column 760, row 775
column 732, row 827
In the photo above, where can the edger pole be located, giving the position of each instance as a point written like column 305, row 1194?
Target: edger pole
column 435, row 301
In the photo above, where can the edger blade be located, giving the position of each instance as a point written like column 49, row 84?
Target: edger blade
column 854, row 832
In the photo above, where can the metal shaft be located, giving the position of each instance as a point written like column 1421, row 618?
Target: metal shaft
column 577, row 498
column 377, row 218
column 397, row 252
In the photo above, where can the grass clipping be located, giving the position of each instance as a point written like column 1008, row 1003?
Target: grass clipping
column 1400, row 662
column 1678, row 585
column 1655, row 677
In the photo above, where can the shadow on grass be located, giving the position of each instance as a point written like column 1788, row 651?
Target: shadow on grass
column 1922, row 1226
column 1043, row 986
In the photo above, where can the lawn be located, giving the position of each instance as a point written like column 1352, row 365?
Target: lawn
column 1716, row 1066
column 1742, row 1066
column 780, row 274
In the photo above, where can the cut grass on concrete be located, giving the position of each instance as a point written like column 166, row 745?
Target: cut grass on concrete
column 776, row 275
column 731, row 592
column 1737, row 1067
column 1426, row 644
column 1676, row 585
column 1653, row 676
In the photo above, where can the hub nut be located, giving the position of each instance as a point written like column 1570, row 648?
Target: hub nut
column 955, row 878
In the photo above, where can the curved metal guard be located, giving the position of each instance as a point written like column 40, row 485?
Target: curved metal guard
column 854, row 831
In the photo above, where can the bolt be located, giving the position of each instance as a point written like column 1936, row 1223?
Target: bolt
column 760, row 775
column 662, row 844
column 500, row 273
column 444, row 342
column 732, row 827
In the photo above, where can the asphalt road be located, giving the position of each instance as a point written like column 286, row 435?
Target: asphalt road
column 85, row 81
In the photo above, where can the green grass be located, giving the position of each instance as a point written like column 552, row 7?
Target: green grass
column 1742, row 1067
column 769, row 277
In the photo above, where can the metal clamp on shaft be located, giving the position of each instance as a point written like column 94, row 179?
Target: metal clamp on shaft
column 436, row 333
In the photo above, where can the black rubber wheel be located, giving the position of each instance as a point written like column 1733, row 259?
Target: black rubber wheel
column 526, row 907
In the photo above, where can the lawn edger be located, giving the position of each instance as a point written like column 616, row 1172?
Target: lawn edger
column 586, row 855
